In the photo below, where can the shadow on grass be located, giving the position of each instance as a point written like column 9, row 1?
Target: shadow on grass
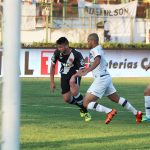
column 84, row 141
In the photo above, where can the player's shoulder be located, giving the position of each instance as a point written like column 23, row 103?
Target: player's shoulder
column 97, row 48
column 56, row 52
column 75, row 51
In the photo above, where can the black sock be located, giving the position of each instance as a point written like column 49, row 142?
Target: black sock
column 72, row 101
column 79, row 102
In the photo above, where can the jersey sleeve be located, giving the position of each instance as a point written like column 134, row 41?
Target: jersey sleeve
column 80, row 61
column 97, row 52
column 55, row 57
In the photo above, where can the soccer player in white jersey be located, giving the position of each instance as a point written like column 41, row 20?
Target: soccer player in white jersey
column 147, row 100
column 102, row 84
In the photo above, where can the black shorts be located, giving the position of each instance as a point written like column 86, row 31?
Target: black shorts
column 65, row 87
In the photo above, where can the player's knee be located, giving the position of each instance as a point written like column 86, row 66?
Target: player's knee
column 67, row 100
column 114, row 97
column 147, row 91
column 85, row 103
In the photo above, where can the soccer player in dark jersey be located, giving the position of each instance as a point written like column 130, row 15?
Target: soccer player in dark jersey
column 71, row 61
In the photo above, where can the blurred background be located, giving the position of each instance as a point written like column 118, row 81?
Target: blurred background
column 45, row 20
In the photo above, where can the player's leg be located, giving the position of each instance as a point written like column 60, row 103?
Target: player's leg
column 66, row 91
column 67, row 96
column 74, row 85
column 113, row 96
column 74, row 88
column 77, row 96
column 123, row 102
column 96, row 90
column 147, row 104
column 89, row 102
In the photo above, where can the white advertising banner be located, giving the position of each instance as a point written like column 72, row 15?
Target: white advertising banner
column 121, row 63
column 110, row 10
column 118, row 19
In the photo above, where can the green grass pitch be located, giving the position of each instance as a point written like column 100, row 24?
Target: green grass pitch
column 48, row 123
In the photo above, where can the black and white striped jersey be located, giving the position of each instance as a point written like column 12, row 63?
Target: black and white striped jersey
column 69, row 63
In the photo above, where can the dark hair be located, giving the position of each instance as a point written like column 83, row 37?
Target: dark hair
column 62, row 40
column 93, row 36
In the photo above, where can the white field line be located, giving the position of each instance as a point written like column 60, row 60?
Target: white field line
column 51, row 106
column 63, row 107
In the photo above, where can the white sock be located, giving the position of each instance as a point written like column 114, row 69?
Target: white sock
column 123, row 102
column 77, row 95
column 147, row 106
column 98, row 107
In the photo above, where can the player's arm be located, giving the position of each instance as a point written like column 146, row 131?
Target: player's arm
column 94, row 65
column 96, row 53
column 52, row 70
column 80, row 63
column 52, row 82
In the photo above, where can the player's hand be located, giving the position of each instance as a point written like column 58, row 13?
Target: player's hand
column 79, row 73
column 82, row 72
column 52, row 86
column 147, row 67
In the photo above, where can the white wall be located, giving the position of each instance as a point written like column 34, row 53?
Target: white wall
column 79, row 34
column 73, row 35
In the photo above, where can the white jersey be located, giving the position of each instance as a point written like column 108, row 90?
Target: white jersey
column 101, row 69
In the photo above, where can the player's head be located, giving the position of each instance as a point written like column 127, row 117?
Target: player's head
column 62, row 44
column 93, row 40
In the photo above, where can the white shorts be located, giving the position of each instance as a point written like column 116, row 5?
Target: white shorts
column 102, row 86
